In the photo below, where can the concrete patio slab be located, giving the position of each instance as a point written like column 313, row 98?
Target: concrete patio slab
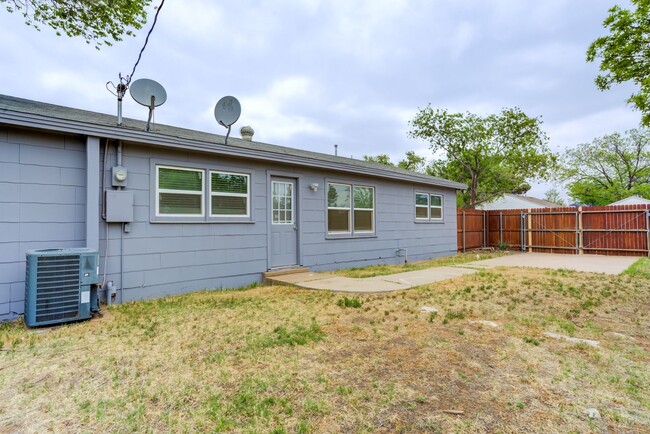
column 584, row 263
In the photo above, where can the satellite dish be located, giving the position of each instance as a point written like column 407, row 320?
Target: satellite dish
column 148, row 93
column 226, row 112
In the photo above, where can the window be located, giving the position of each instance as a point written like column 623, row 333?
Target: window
column 428, row 207
column 436, row 207
column 199, row 194
column 364, row 209
column 282, row 198
column 229, row 193
column 180, row 192
column 338, row 208
column 350, row 209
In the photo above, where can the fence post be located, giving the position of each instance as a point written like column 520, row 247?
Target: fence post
column 500, row 228
column 581, row 240
column 647, row 228
column 484, row 228
column 522, row 231
column 530, row 232
column 463, row 231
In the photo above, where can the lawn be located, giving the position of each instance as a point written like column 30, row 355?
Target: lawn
column 280, row 359
column 382, row 270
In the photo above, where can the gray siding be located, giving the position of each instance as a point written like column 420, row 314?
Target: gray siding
column 172, row 258
column 42, row 203
column 396, row 227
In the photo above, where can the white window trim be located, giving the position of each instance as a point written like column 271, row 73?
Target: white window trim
column 352, row 232
column 186, row 192
column 247, row 195
column 371, row 231
column 441, row 207
column 293, row 204
column 428, row 206
column 349, row 209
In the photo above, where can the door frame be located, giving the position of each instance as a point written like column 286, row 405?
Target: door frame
column 297, row 211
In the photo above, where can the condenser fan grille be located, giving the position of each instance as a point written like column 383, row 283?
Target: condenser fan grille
column 57, row 288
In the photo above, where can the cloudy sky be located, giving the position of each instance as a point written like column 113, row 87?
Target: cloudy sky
column 312, row 73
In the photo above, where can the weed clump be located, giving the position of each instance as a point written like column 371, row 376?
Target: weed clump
column 353, row 302
column 451, row 315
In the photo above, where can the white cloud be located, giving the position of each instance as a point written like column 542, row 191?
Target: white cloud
column 275, row 114
column 461, row 39
column 586, row 128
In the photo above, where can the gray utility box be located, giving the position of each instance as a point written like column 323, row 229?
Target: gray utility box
column 119, row 206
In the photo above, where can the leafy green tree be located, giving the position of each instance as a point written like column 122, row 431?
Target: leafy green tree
column 381, row 159
column 493, row 155
column 625, row 53
column 553, row 195
column 94, row 20
column 610, row 168
column 412, row 161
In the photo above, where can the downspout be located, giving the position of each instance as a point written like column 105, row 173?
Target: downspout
column 107, row 285
column 122, row 228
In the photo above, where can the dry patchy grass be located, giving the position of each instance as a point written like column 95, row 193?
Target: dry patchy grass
column 279, row 359
column 382, row 270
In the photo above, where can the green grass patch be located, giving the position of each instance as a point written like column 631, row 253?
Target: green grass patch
column 382, row 270
column 353, row 302
column 640, row 269
column 297, row 335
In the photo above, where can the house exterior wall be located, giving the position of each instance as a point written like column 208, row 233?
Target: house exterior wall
column 42, row 203
column 171, row 258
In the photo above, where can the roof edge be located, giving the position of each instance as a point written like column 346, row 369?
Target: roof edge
column 71, row 126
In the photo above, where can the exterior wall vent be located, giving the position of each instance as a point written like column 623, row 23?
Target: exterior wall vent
column 60, row 285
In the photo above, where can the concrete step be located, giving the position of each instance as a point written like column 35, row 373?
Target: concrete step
column 284, row 271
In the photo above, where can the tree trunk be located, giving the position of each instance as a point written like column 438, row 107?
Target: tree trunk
column 472, row 191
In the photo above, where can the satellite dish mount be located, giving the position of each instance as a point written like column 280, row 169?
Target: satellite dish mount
column 227, row 112
column 148, row 93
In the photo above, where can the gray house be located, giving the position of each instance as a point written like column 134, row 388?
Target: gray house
column 174, row 210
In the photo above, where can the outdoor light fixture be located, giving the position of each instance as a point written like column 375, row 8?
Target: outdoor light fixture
column 313, row 187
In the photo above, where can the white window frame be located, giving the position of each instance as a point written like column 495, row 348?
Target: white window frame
column 441, row 207
column 351, row 232
column 429, row 217
column 371, row 231
column 186, row 192
column 247, row 195
column 349, row 209
column 422, row 206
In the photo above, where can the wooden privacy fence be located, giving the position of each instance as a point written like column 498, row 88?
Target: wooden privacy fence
column 622, row 230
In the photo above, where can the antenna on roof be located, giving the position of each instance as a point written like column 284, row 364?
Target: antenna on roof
column 148, row 93
column 227, row 112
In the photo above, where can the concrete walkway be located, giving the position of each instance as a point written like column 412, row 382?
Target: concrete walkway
column 390, row 282
column 411, row 279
